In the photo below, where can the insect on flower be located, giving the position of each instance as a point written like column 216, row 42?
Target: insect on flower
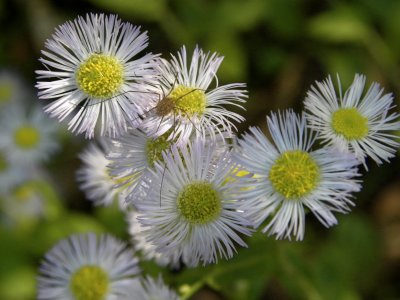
column 183, row 100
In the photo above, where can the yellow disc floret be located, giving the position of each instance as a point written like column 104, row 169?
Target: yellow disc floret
column 26, row 137
column 294, row 174
column 5, row 92
column 349, row 123
column 100, row 76
column 199, row 203
column 89, row 283
column 183, row 100
column 23, row 193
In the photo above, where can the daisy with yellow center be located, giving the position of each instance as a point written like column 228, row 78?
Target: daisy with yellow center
column 13, row 89
column 357, row 122
column 27, row 138
column 87, row 267
column 288, row 177
column 185, row 102
column 197, row 217
column 94, row 74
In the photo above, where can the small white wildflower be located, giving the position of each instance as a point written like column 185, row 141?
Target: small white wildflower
column 197, row 216
column 94, row 73
column 185, row 104
column 353, row 122
column 289, row 176
column 87, row 267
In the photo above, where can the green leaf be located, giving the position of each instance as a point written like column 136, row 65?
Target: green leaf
column 113, row 219
column 340, row 25
column 20, row 283
column 228, row 16
column 348, row 261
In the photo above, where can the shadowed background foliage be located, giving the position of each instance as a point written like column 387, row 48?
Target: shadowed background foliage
column 279, row 48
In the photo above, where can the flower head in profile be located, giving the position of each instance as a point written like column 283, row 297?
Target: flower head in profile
column 94, row 73
column 24, row 203
column 27, row 137
column 87, row 267
column 95, row 177
column 133, row 155
column 289, row 177
column 196, row 213
column 12, row 89
column 185, row 104
column 148, row 288
column 357, row 122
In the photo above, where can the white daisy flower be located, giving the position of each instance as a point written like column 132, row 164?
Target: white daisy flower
column 10, row 174
column 87, row 267
column 357, row 122
column 196, row 213
column 27, row 138
column 24, row 203
column 288, row 177
column 12, row 89
column 95, row 177
column 148, row 289
column 147, row 249
column 93, row 72
column 185, row 104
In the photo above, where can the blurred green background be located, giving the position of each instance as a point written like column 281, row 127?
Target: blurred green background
column 279, row 48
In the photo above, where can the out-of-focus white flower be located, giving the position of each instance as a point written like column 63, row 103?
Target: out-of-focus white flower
column 95, row 176
column 27, row 138
column 87, row 267
column 13, row 90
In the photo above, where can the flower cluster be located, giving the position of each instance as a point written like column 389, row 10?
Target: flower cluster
column 193, row 191
column 27, row 139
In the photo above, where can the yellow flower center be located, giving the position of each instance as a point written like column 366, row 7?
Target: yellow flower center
column 199, row 203
column 294, row 174
column 5, row 92
column 100, row 76
column 23, row 193
column 26, row 137
column 349, row 123
column 89, row 283
column 183, row 100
